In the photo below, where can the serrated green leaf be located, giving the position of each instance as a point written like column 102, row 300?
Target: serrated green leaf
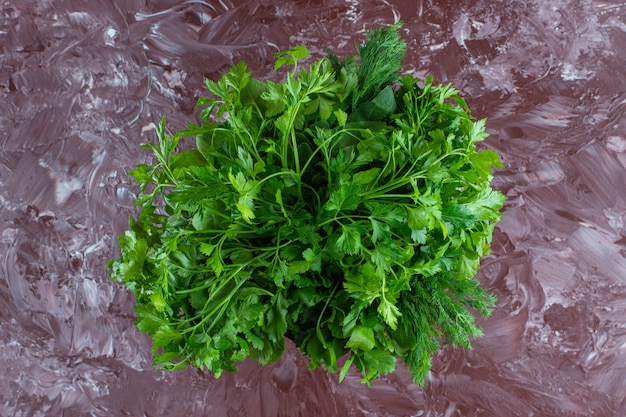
column 365, row 284
column 458, row 216
column 291, row 56
column 207, row 249
column 158, row 301
column 299, row 267
column 346, row 198
column 366, row 177
column 393, row 215
column 276, row 322
column 142, row 173
column 314, row 259
column 419, row 236
column 389, row 312
column 216, row 264
column 380, row 230
column 148, row 319
column 379, row 361
column 349, row 241
column 419, row 218
column 467, row 265
column 245, row 160
column 341, row 116
column 325, row 107
column 486, row 203
column 164, row 336
column 478, row 131
column 238, row 181
column 361, row 338
column 483, row 161
column 254, row 340
column 245, row 205
column 247, row 190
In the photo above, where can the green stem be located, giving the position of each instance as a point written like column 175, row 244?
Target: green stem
column 320, row 336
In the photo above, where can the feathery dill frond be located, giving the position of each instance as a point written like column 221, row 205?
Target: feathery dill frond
column 381, row 60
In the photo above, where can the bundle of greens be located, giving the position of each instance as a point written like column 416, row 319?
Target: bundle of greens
column 346, row 208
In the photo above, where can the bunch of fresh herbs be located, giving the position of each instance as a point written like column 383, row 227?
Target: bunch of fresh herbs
column 346, row 208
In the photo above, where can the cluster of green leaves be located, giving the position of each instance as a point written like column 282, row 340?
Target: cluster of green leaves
column 346, row 208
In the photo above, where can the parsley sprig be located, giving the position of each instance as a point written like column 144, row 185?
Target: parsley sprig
column 346, row 208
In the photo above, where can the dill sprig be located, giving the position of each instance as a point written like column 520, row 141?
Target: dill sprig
column 381, row 60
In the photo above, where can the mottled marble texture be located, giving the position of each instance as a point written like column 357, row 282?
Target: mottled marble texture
column 82, row 81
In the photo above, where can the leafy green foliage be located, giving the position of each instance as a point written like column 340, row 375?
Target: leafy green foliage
column 345, row 208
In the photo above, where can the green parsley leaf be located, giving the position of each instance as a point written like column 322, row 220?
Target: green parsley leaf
column 361, row 338
column 346, row 198
column 349, row 241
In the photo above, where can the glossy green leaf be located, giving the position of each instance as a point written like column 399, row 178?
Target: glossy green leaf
column 361, row 338
column 349, row 241
column 346, row 198
column 379, row 360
